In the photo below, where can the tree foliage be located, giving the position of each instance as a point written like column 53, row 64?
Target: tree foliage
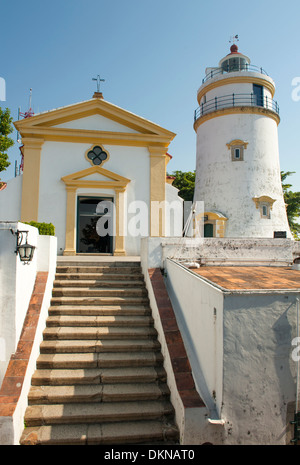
column 6, row 142
column 185, row 183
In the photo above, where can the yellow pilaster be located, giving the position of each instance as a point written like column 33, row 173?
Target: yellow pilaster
column 70, row 248
column 120, row 233
column 31, row 178
column 157, row 190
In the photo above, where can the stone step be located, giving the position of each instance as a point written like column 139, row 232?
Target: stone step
column 99, row 378
column 106, row 345
column 98, row 283
column 102, row 301
column 98, row 434
column 103, row 263
column 99, row 333
column 57, row 377
column 99, row 310
column 93, row 320
column 48, row 414
column 98, row 269
column 97, row 393
column 100, row 360
column 99, row 292
column 134, row 277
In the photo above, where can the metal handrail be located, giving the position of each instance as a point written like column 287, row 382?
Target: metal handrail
column 241, row 67
column 236, row 100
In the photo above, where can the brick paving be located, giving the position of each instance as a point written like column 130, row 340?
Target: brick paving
column 251, row 277
column 14, row 377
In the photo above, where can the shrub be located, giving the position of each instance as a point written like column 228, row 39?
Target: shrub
column 45, row 229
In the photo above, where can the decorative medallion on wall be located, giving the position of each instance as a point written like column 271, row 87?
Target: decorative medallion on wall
column 97, row 156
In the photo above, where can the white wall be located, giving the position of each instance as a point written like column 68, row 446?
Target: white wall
column 212, row 251
column 229, row 186
column 67, row 158
column 96, row 123
column 199, row 312
column 10, row 200
column 240, row 346
column 259, row 372
column 16, row 284
column 174, row 212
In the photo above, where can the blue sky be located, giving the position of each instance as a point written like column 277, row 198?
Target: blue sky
column 152, row 55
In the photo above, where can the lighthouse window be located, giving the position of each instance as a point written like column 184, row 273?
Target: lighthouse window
column 237, row 153
column 265, row 211
column 264, row 204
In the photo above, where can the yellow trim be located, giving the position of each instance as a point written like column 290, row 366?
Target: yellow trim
column 157, row 190
column 263, row 198
column 237, row 110
column 73, row 182
column 120, row 215
column 237, row 142
column 31, row 179
column 76, row 179
column 235, row 80
column 70, row 247
column 98, row 137
column 92, row 107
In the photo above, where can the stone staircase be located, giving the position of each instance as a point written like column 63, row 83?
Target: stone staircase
column 99, row 377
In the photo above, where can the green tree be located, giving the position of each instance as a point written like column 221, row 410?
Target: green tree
column 6, row 142
column 292, row 200
column 185, row 183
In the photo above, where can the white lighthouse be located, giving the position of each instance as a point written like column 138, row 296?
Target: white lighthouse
column 237, row 168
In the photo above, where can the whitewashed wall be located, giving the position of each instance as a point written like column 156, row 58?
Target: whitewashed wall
column 217, row 251
column 240, row 347
column 16, row 285
column 199, row 312
column 229, row 186
column 17, row 282
column 10, row 200
column 259, row 386
column 130, row 162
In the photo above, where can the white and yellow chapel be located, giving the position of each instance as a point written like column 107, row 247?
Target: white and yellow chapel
column 83, row 158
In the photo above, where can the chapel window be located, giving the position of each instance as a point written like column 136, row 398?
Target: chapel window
column 97, row 155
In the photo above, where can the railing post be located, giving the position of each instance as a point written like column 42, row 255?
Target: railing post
column 216, row 102
column 251, row 98
column 233, row 99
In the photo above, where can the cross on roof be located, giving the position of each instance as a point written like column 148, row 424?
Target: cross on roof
column 98, row 82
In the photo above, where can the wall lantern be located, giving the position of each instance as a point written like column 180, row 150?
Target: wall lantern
column 24, row 250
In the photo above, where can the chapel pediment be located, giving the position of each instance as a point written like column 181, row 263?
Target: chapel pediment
column 96, row 177
column 94, row 119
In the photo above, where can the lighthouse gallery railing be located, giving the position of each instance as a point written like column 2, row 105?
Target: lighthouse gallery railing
column 230, row 68
column 238, row 100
